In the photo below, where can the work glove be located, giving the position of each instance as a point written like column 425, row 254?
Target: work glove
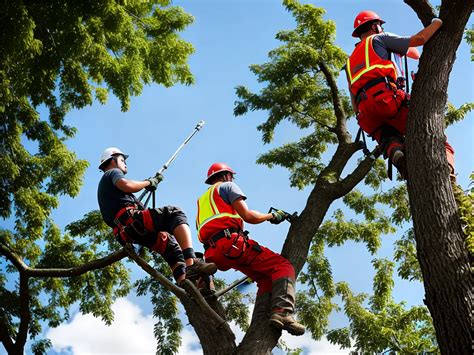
column 159, row 177
column 278, row 217
column 154, row 181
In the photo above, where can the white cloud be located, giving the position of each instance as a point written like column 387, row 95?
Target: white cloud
column 311, row 346
column 132, row 333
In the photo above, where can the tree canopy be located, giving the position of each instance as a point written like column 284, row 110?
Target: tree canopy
column 61, row 56
column 120, row 46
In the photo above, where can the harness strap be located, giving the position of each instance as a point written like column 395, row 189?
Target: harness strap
column 123, row 219
column 119, row 221
column 361, row 133
column 226, row 233
column 361, row 93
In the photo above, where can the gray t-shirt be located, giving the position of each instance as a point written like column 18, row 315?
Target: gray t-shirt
column 230, row 191
column 111, row 198
column 386, row 43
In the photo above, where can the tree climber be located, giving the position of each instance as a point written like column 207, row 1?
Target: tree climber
column 164, row 230
column 220, row 223
column 381, row 105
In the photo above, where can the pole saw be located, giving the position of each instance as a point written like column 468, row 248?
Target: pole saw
column 167, row 164
column 236, row 283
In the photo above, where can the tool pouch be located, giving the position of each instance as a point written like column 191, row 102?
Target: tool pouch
column 237, row 247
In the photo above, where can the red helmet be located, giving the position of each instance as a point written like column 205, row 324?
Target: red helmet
column 217, row 168
column 364, row 17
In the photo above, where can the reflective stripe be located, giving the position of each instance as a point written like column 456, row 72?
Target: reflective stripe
column 368, row 66
column 220, row 215
column 389, row 66
column 213, row 203
column 208, row 209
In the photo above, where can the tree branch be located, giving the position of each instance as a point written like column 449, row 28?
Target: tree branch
column 345, row 185
column 341, row 130
column 423, row 9
column 5, row 338
column 26, row 272
column 61, row 272
column 24, row 311
column 178, row 291
column 329, row 128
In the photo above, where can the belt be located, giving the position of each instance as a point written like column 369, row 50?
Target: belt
column 226, row 233
column 360, row 94
column 117, row 220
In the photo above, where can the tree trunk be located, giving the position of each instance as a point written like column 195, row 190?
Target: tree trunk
column 214, row 338
column 261, row 337
column 440, row 240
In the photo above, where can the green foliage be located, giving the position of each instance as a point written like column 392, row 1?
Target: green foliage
column 465, row 202
column 294, row 156
column 57, row 57
column 51, row 297
column 385, row 325
column 41, row 346
column 315, row 304
column 454, row 114
column 289, row 351
column 95, row 47
column 236, row 308
column 405, row 255
column 296, row 91
column 377, row 174
column 339, row 230
column 469, row 37
column 299, row 88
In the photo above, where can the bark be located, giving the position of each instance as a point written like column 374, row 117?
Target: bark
column 260, row 338
column 442, row 254
column 214, row 338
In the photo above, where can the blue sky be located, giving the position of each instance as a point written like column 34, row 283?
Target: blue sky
column 228, row 37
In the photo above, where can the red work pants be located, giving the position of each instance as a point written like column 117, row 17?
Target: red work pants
column 257, row 262
column 383, row 107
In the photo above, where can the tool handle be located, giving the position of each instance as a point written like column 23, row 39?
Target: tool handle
column 232, row 285
column 289, row 217
column 173, row 157
column 170, row 160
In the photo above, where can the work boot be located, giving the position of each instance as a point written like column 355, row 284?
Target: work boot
column 193, row 272
column 283, row 306
column 400, row 162
column 285, row 320
column 205, row 285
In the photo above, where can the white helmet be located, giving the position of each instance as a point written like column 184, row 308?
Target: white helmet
column 108, row 154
